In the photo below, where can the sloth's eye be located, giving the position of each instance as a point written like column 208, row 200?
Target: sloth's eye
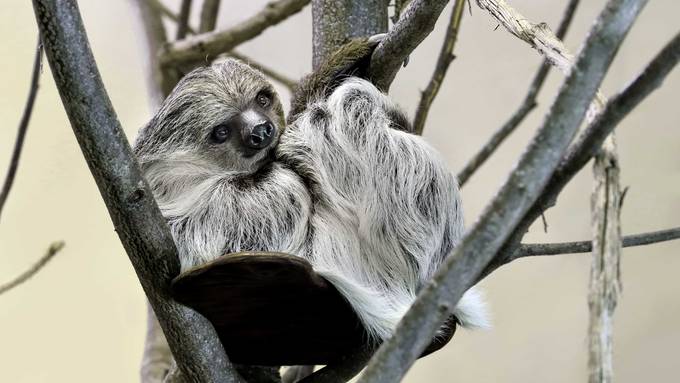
column 263, row 99
column 220, row 134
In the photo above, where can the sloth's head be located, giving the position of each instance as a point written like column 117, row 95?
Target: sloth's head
column 226, row 118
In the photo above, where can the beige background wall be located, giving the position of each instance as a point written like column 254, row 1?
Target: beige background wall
column 82, row 318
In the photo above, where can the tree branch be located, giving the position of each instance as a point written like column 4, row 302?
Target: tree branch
column 445, row 58
column 527, row 106
column 183, row 19
column 414, row 25
column 135, row 215
column 481, row 243
column 334, row 23
column 341, row 371
column 590, row 141
column 54, row 248
column 162, row 79
column 537, row 249
column 23, row 127
column 207, row 46
column 209, row 13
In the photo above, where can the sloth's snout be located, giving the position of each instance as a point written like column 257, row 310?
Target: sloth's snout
column 260, row 135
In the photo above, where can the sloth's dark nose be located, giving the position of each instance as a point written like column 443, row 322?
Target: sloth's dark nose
column 261, row 135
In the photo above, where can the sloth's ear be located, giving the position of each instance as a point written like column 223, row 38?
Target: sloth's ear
column 273, row 309
column 350, row 60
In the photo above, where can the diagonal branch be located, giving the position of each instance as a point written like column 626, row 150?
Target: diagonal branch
column 207, row 46
column 590, row 141
column 135, row 215
column 444, row 60
column 416, row 22
column 642, row 239
column 54, row 248
column 481, row 243
column 527, row 106
column 23, row 127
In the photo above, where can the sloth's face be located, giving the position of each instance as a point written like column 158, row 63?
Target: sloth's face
column 226, row 117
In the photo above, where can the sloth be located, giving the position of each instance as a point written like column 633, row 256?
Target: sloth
column 343, row 183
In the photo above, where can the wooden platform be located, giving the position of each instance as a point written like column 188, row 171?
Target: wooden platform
column 273, row 309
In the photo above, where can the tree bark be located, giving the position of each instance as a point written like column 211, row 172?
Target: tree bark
column 337, row 21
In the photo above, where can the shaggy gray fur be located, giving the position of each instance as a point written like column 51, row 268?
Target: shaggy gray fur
column 371, row 207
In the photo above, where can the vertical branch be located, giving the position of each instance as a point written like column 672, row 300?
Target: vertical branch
column 23, row 127
column 445, row 58
column 337, row 21
column 605, row 283
column 183, row 19
column 209, row 13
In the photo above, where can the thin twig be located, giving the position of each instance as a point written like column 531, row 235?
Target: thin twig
column 183, row 19
column 207, row 46
column 133, row 210
column 590, row 142
column 518, row 194
column 54, row 248
column 537, row 249
column 525, row 108
column 23, row 127
column 444, row 60
column 209, row 13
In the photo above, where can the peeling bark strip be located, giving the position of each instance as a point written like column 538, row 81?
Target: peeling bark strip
column 135, row 215
column 527, row 106
column 207, row 46
column 506, row 210
column 605, row 279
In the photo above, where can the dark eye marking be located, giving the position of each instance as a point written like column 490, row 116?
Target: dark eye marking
column 264, row 98
column 220, row 134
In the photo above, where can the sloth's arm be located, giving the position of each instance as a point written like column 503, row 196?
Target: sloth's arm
column 352, row 59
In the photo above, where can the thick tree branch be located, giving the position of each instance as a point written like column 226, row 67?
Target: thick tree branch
column 642, row 239
column 135, row 215
column 183, row 19
column 481, row 243
column 445, row 58
column 209, row 13
column 334, row 23
column 527, row 106
column 414, row 25
column 590, row 141
column 207, row 46
column 54, row 248
column 23, row 128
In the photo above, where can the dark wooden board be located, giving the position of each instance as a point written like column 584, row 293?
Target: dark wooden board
column 273, row 309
